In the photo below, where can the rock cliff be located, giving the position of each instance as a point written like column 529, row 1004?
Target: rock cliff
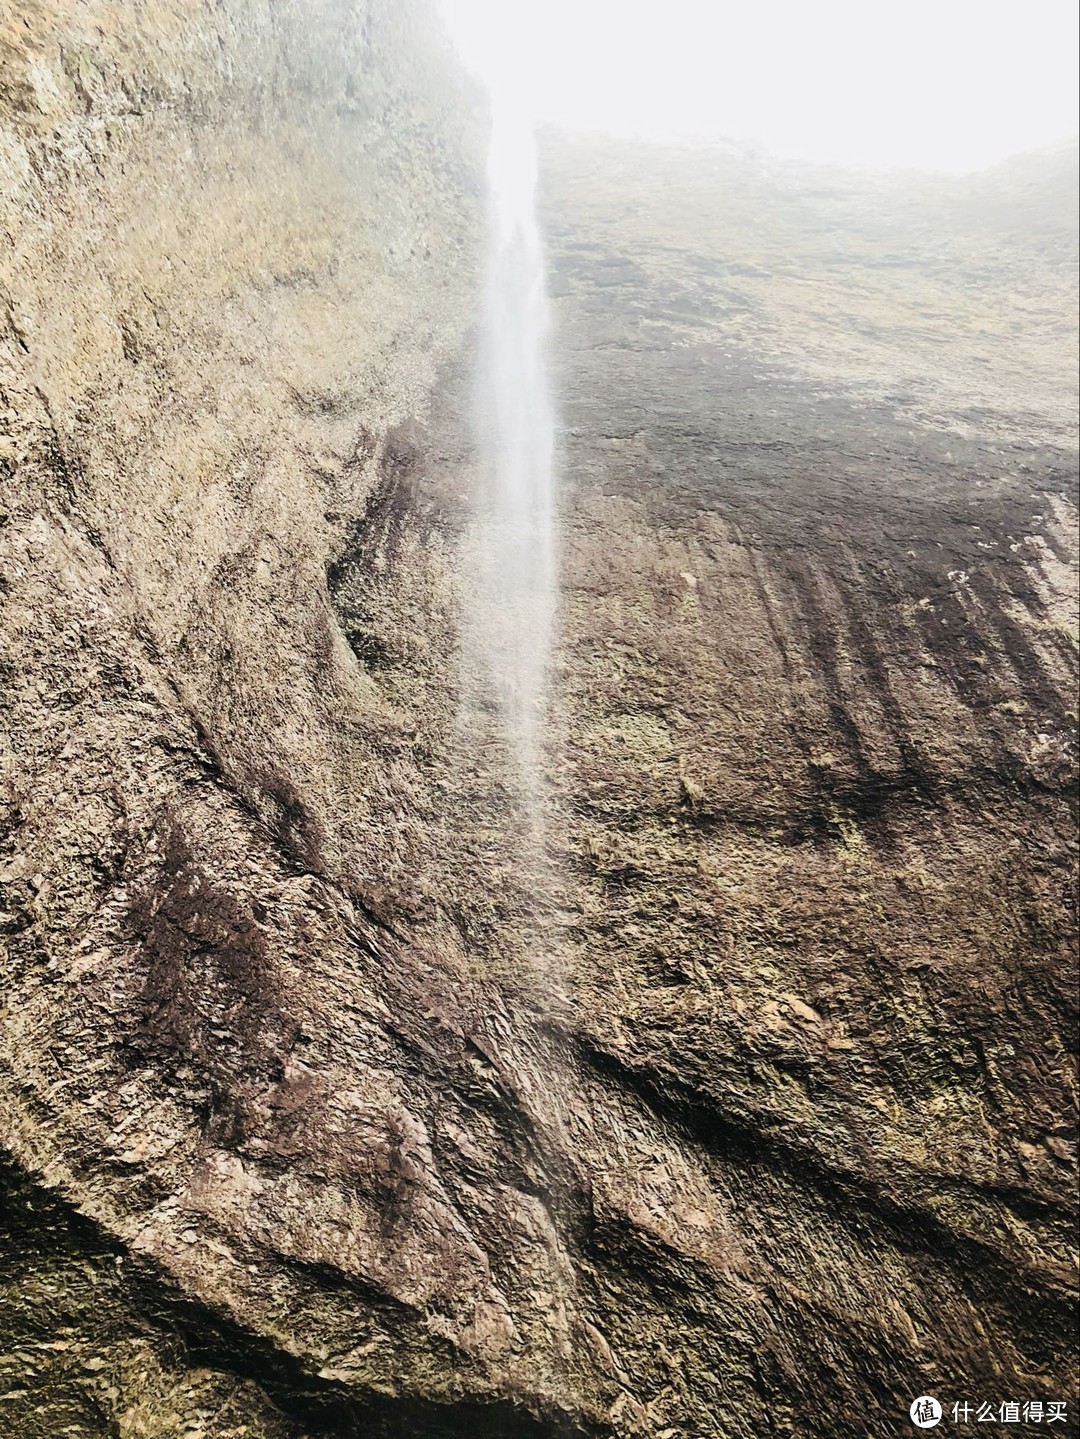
column 328, row 1106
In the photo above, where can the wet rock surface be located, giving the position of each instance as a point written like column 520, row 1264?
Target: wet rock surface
column 331, row 1104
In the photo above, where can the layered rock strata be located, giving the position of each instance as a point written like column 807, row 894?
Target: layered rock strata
column 331, row 1107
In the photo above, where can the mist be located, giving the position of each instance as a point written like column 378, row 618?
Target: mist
column 947, row 87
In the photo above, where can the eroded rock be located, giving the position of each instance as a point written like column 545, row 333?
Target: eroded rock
column 332, row 1106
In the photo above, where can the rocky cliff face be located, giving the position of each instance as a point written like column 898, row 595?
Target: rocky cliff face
column 329, row 1106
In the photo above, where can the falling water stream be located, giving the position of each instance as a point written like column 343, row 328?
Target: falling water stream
column 514, row 602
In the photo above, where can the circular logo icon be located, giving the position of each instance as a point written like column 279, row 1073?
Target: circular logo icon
column 925, row 1412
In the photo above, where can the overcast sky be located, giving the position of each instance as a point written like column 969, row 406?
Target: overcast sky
column 939, row 84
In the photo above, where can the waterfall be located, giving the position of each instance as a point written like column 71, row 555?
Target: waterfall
column 513, row 599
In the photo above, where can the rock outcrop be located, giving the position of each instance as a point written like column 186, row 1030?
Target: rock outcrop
column 328, row 1105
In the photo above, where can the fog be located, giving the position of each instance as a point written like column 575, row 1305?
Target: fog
column 941, row 86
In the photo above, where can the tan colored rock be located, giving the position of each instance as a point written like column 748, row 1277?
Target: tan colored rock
column 330, row 1103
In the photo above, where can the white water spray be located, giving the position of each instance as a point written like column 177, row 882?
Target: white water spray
column 514, row 603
